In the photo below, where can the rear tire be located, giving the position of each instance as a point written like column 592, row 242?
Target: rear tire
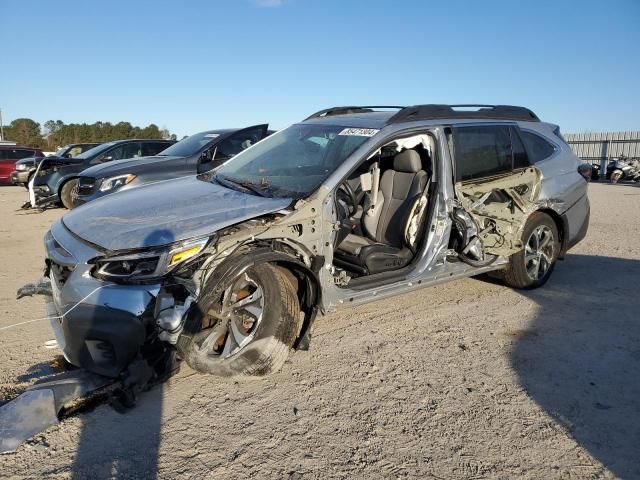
column 277, row 326
column 532, row 266
column 65, row 193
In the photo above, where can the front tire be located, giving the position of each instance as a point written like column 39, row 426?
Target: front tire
column 532, row 266
column 249, row 329
column 65, row 193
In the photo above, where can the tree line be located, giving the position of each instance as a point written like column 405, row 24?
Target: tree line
column 56, row 133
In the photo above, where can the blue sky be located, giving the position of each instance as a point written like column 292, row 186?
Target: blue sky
column 196, row 65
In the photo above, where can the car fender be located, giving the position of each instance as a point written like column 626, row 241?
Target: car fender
column 239, row 262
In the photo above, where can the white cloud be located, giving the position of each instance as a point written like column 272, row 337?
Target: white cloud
column 269, row 3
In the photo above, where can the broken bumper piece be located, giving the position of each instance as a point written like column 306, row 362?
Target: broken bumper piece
column 38, row 408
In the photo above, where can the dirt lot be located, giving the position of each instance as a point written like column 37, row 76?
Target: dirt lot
column 465, row 380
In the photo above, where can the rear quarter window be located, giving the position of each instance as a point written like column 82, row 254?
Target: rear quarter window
column 539, row 149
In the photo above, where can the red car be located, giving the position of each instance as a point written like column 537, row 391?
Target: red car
column 9, row 155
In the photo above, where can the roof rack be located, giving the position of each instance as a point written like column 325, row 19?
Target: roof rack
column 433, row 111
column 328, row 112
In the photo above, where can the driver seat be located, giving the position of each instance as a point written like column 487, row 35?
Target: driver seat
column 384, row 248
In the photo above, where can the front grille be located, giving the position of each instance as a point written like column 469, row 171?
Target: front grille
column 86, row 185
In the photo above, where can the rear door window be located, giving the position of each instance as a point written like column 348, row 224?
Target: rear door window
column 520, row 157
column 482, row 151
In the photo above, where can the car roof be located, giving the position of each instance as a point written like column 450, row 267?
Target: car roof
column 12, row 147
column 428, row 114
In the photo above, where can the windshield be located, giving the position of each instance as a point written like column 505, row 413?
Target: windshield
column 60, row 152
column 92, row 152
column 190, row 145
column 293, row 162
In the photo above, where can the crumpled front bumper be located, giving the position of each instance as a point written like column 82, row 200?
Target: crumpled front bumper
column 100, row 326
column 20, row 177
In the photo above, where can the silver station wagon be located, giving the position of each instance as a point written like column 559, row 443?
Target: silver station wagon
column 227, row 270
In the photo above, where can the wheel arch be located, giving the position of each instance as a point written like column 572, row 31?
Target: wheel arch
column 63, row 182
column 561, row 225
column 308, row 290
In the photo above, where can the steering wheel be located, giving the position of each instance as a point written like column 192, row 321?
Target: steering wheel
column 345, row 194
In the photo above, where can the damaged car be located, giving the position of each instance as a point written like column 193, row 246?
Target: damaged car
column 227, row 270
column 197, row 153
column 55, row 178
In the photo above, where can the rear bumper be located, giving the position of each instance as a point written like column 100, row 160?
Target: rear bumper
column 576, row 223
column 101, row 326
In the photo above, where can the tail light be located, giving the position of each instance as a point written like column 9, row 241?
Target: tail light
column 585, row 170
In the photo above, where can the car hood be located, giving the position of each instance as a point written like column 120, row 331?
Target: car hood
column 165, row 212
column 119, row 167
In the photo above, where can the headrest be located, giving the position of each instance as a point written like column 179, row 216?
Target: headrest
column 407, row 161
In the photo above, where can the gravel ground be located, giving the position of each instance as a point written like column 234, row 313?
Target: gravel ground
column 465, row 380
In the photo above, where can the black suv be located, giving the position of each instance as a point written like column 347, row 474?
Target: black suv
column 55, row 177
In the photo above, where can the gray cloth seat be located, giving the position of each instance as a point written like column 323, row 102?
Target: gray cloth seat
column 384, row 246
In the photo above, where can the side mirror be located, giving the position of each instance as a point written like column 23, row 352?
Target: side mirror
column 108, row 158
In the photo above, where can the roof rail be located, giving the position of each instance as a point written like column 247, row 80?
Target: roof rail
column 433, row 111
column 328, row 112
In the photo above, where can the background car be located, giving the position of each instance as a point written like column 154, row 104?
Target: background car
column 26, row 167
column 9, row 155
column 195, row 154
column 56, row 177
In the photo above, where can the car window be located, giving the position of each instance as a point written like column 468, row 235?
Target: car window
column 16, row 154
column 132, row 150
column 295, row 161
column 482, row 151
column 520, row 157
column 84, row 148
column 238, row 142
column 538, row 148
column 152, row 148
column 74, row 151
column 114, row 153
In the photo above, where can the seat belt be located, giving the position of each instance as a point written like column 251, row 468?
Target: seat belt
column 416, row 216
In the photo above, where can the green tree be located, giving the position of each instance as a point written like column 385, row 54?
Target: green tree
column 56, row 133
column 24, row 131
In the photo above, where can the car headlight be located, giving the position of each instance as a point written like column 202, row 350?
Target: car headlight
column 116, row 182
column 147, row 265
column 21, row 167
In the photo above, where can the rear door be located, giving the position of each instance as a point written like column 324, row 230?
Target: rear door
column 495, row 182
column 232, row 145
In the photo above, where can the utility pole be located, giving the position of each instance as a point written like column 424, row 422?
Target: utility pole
column 1, row 127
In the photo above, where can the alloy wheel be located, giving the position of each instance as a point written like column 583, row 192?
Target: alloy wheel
column 235, row 320
column 539, row 252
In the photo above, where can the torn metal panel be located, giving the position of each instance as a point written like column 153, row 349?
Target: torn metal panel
column 38, row 408
column 22, row 418
column 501, row 207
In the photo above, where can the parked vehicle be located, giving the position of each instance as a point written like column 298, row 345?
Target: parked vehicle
column 26, row 167
column 351, row 205
column 195, row 154
column 623, row 169
column 9, row 155
column 55, row 177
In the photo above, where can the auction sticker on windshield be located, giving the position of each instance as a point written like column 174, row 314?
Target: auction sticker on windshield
column 359, row 132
